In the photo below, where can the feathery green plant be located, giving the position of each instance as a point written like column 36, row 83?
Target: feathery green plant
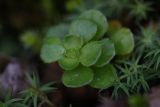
column 36, row 94
column 139, row 9
column 133, row 77
column 147, row 39
column 9, row 101
column 148, row 46
column 153, row 58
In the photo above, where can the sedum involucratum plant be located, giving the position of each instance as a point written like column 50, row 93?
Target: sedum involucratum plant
column 85, row 53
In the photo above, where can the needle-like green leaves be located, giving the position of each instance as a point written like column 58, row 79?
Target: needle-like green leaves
column 104, row 77
column 99, row 19
column 90, row 53
column 78, row 77
column 83, row 28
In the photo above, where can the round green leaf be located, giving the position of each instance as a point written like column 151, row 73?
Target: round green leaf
column 70, row 59
column 90, row 53
column 123, row 40
column 104, row 77
column 73, row 42
column 77, row 77
column 50, row 40
column 68, row 63
column 108, row 52
column 58, row 31
column 51, row 53
column 99, row 19
column 83, row 28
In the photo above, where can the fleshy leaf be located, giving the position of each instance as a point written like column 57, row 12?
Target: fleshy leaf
column 70, row 59
column 104, row 77
column 123, row 40
column 68, row 63
column 77, row 77
column 108, row 52
column 58, row 31
column 51, row 53
column 90, row 53
column 99, row 19
column 83, row 28
column 51, row 40
column 73, row 42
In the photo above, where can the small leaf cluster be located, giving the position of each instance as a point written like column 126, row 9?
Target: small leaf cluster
column 11, row 102
column 85, row 53
column 148, row 46
column 34, row 95
column 139, row 9
column 133, row 77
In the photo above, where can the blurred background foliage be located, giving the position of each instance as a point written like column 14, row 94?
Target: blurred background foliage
column 22, row 18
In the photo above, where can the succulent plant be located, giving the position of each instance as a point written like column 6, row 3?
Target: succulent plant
column 85, row 54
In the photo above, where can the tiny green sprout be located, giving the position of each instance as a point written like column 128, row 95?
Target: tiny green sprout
column 147, row 39
column 31, row 39
column 36, row 94
column 123, row 40
column 139, row 9
column 148, row 45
